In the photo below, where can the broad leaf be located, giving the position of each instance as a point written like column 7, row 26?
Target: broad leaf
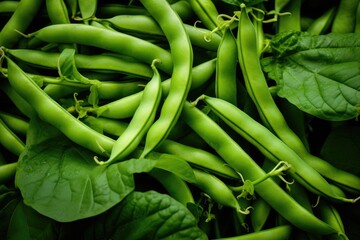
column 318, row 74
column 61, row 180
column 27, row 224
column 146, row 215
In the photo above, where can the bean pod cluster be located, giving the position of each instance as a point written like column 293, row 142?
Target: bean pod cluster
column 181, row 78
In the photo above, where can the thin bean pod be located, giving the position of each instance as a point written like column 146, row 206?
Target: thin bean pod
column 241, row 162
column 217, row 190
column 101, row 62
column 198, row 157
column 322, row 23
column 7, row 172
column 15, row 123
column 141, row 121
column 10, row 140
column 19, row 21
column 269, row 112
column 206, row 12
column 271, row 146
column 8, row 6
column 182, row 56
column 125, row 107
column 51, row 112
column 225, row 80
column 117, row 42
column 345, row 18
column 280, row 233
column 174, row 185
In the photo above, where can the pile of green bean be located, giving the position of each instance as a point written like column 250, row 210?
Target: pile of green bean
column 182, row 78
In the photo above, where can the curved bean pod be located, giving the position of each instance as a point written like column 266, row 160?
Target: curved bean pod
column 174, row 185
column 182, row 55
column 271, row 146
column 10, row 140
column 225, row 80
column 198, row 157
column 113, row 41
column 51, row 112
column 102, row 62
column 19, row 21
column 269, row 112
column 216, row 189
column 241, row 162
column 125, row 107
column 141, row 121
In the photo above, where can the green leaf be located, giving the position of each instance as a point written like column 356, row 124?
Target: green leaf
column 342, row 148
column 318, row 74
column 27, row 224
column 148, row 215
column 62, row 181
column 175, row 165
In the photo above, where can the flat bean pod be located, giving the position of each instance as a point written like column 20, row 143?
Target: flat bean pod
column 51, row 112
column 117, row 42
column 182, row 56
column 241, row 162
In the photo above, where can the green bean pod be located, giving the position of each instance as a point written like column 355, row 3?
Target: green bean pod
column 20, row 103
column 322, row 23
column 7, row 172
column 16, row 123
column 112, row 41
column 329, row 214
column 182, row 56
column 241, row 162
column 99, row 63
column 106, row 126
column 279, row 233
column 216, row 189
column 57, row 11
column 87, row 8
column 125, row 107
column 198, row 157
column 10, row 140
column 51, row 112
column 226, row 64
column 271, row 146
column 141, row 121
column 19, row 21
column 8, row 6
column 269, row 112
column 174, row 185
column 345, row 18
column 206, row 12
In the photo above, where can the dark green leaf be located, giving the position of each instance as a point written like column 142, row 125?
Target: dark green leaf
column 318, row 74
column 148, row 215
column 62, row 181
column 27, row 224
